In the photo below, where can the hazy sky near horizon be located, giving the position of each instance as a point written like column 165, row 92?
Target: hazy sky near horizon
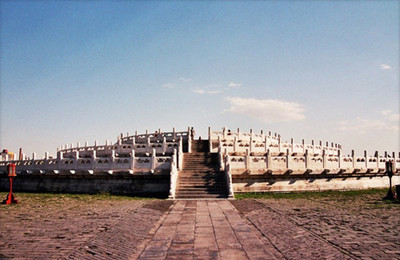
column 76, row 71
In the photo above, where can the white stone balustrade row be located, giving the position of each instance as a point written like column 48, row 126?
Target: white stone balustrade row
column 163, row 147
column 163, row 143
column 311, row 163
column 94, row 163
column 156, row 137
column 238, row 142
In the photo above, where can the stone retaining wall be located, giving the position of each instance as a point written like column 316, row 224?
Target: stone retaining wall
column 146, row 184
column 306, row 182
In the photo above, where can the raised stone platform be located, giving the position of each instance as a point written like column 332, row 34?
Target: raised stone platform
column 174, row 163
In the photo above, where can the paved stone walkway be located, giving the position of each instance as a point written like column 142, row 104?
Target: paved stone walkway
column 51, row 226
column 207, row 230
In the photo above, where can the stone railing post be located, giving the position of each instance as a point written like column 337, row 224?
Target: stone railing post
column 220, row 159
column 251, row 142
column 189, row 140
column 209, row 140
column 75, row 159
column 153, row 160
column 132, row 166
column 307, row 159
column 228, row 177
column 266, row 145
column 292, row 144
column 268, row 159
column 377, row 159
column 287, row 159
column 313, row 146
column 59, row 155
column 94, row 157
column 164, row 145
column 113, row 161
column 180, row 154
column 173, row 176
column 247, row 159
column 279, row 144
column 366, row 159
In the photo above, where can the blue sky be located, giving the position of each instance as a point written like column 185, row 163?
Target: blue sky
column 76, row 71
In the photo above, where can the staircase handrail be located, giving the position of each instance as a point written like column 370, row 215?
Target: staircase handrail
column 173, row 177
column 221, row 159
column 228, row 177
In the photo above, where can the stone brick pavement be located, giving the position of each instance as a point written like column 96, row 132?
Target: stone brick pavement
column 358, row 227
column 207, row 230
column 55, row 227
column 89, row 227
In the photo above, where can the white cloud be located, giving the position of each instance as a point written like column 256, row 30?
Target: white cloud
column 203, row 91
column 391, row 116
column 213, row 92
column 266, row 110
column 184, row 79
column 234, row 85
column 385, row 67
column 168, row 85
column 389, row 121
column 199, row 91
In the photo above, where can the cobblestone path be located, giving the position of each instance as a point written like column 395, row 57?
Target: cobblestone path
column 87, row 227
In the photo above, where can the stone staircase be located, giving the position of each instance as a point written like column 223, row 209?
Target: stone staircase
column 200, row 177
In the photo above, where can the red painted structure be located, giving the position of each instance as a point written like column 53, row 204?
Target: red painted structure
column 11, row 174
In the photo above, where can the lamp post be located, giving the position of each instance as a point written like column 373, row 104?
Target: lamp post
column 11, row 174
column 389, row 171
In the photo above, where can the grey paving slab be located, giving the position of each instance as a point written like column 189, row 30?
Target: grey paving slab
column 208, row 230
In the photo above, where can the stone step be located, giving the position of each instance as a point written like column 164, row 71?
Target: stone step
column 200, row 165
column 200, row 185
column 202, row 196
column 203, row 171
column 206, row 164
column 201, row 189
column 199, row 162
column 200, row 178
column 202, row 181
column 201, row 155
column 200, row 146
column 198, row 192
column 201, row 174
column 212, row 164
